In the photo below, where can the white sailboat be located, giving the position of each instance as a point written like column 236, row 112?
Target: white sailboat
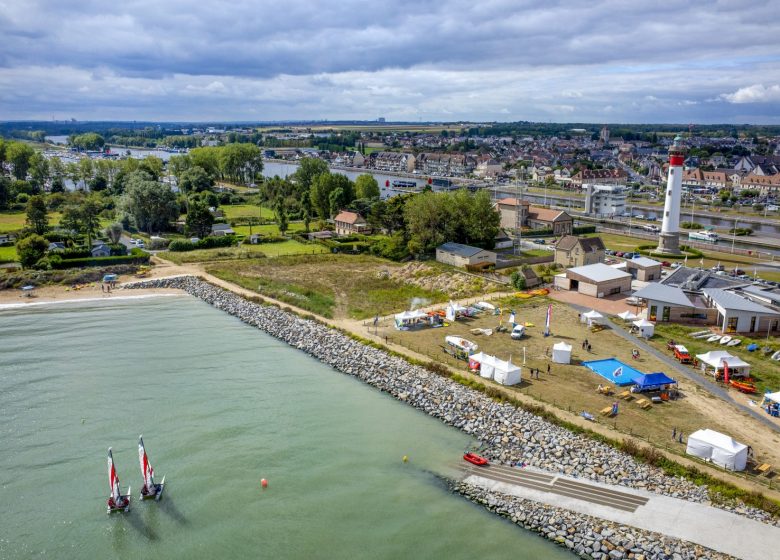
column 116, row 501
column 150, row 490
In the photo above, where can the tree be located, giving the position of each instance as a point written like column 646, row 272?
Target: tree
column 428, row 222
column 322, row 187
column 86, row 169
column 39, row 171
column 179, row 164
column 37, row 217
column 152, row 165
column 483, row 221
column 18, row 154
column 87, row 141
column 90, row 218
column 31, row 249
column 114, row 232
column 281, row 217
column 199, row 219
column 306, row 209
column 195, row 179
column 206, row 158
column 152, row 205
column 308, row 169
column 336, row 200
column 5, row 191
column 366, row 186
column 517, row 280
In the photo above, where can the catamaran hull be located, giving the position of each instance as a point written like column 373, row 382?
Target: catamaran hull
column 156, row 497
column 124, row 509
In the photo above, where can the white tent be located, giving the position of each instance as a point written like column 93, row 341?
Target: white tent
column 627, row 316
column 408, row 318
column 591, row 317
column 774, row 397
column 715, row 359
column 718, row 448
column 506, row 373
column 486, row 364
column 561, row 353
column 646, row 328
column 452, row 310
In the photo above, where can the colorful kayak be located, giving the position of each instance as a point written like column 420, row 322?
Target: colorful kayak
column 150, row 490
column 475, row 459
column 743, row 387
column 116, row 501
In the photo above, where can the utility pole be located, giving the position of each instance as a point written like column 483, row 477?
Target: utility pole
column 734, row 234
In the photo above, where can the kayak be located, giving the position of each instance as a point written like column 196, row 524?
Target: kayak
column 475, row 459
column 743, row 387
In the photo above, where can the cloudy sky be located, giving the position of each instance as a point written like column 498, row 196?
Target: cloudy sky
column 439, row 60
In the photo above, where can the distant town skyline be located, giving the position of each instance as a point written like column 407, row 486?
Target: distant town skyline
column 610, row 61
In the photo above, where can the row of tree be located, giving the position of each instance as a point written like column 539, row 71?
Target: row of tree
column 237, row 163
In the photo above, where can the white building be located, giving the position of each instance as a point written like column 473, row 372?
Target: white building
column 604, row 200
column 738, row 314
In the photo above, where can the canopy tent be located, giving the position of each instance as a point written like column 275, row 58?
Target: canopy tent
column 409, row 318
column 715, row 358
column 452, row 311
column 561, row 353
column 506, row 373
column 652, row 381
column 773, row 397
column 718, row 448
column 627, row 316
column 771, row 403
column 484, row 363
column 646, row 328
column 591, row 317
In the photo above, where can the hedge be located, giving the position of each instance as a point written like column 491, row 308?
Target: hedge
column 101, row 261
column 688, row 251
column 181, row 245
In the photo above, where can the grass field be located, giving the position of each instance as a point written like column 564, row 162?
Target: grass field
column 329, row 285
column 765, row 371
column 247, row 211
column 573, row 387
column 289, row 247
column 269, row 229
column 14, row 221
column 8, row 254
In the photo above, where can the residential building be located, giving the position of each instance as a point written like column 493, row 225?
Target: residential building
column 349, row 223
column 488, row 168
column 599, row 176
column 767, row 184
column 509, row 208
column 393, row 161
column 460, row 255
column 604, row 200
column 596, row 280
column 101, row 250
column 571, row 251
column 558, row 221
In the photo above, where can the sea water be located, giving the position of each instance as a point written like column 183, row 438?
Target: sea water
column 221, row 406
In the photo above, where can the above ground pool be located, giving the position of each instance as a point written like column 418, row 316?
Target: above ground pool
column 607, row 368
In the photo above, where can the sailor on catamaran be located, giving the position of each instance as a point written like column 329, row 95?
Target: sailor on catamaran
column 150, row 489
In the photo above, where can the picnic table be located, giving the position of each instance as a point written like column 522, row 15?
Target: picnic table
column 764, row 468
column 644, row 403
column 626, row 395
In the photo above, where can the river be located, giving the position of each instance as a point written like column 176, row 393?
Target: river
column 221, row 405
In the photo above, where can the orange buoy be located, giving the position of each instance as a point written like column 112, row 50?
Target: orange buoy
column 264, row 483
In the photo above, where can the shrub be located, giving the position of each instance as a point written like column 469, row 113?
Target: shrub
column 75, row 253
column 691, row 225
column 133, row 258
column 181, row 245
column 578, row 230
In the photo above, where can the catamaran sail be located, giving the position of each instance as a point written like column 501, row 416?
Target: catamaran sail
column 146, row 468
column 113, row 479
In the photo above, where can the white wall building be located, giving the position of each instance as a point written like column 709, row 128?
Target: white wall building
column 738, row 314
column 604, row 200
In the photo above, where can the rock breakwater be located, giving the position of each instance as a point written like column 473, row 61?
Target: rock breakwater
column 508, row 434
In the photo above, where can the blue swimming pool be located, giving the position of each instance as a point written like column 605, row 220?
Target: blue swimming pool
column 607, row 368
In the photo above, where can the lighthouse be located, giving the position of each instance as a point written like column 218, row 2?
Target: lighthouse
column 669, row 241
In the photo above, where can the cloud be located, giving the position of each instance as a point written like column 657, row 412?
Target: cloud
column 756, row 93
column 172, row 59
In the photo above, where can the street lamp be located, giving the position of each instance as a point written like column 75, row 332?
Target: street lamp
column 734, row 234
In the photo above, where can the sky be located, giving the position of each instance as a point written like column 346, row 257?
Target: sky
column 439, row 60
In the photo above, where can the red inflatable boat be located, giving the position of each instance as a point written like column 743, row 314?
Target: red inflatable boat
column 475, row 459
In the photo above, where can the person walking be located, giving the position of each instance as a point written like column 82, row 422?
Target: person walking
column 548, row 368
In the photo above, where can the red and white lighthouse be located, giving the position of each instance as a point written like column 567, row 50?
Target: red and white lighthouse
column 669, row 241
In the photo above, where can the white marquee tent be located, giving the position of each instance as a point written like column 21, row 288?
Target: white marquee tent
column 591, row 317
column 646, row 328
column 409, row 318
column 506, row 373
column 627, row 316
column 718, row 448
column 715, row 358
column 561, row 353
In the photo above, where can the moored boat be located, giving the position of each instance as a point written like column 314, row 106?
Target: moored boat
column 475, row 459
column 116, row 501
column 150, row 490
column 734, row 342
column 700, row 334
column 725, row 340
column 714, row 338
column 775, row 356
column 704, row 235
column 742, row 386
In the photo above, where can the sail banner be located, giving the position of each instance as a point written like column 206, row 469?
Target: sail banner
column 146, row 467
column 113, row 479
column 725, row 371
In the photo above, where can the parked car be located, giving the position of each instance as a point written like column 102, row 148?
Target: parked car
column 640, row 216
column 632, row 300
column 619, row 254
column 140, row 244
column 518, row 332
column 665, row 264
column 539, row 241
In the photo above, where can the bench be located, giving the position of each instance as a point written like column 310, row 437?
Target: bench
column 626, row 395
column 644, row 403
column 764, row 468
column 606, row 411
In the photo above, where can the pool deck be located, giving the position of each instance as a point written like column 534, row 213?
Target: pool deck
column 698, row 523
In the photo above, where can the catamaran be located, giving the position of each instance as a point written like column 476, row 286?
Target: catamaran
column 150, row 489
column 116, row 501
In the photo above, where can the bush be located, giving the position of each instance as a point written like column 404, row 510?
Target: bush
column 394, row 248
column 74, row 253
column 181, row 245
column 517, row 280
column 133, row 258
column 741, row 231
column 579, row 230
column 691, row 225
column 265, row 239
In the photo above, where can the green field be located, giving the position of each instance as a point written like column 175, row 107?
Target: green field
column 8, row 254
column 247, row 211
column 269, row 229
column 14, row 221
column 328, row 285
column 283, row 248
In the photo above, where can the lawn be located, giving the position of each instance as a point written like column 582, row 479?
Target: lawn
column 269, row 229
column 14, row 221
column 330, row 285
column 289, row 247
column 765, row 371
column 573, row 387
column 8, row 254
column 247, row 211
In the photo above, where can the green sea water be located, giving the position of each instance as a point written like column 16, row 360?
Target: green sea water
column 221, row 405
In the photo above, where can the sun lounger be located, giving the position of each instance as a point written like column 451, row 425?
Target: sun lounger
column 625, row 395
column 644, row 403
column 588, row 416
column 764, row 468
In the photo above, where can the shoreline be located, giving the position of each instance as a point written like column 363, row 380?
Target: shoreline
column 512, row 435
column 109, row 297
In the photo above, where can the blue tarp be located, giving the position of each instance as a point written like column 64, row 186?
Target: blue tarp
column 653, row 380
